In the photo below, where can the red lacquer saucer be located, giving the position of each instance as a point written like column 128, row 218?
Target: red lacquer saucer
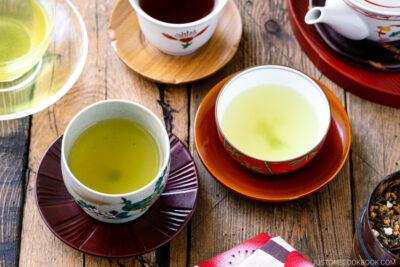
column 377, row 86
column 160, row 224
column 275, row 188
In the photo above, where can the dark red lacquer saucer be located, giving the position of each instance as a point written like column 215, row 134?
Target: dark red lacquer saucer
column 377, row 86
column 160, row 224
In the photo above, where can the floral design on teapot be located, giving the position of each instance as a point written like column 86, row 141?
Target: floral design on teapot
column 185, row 38
column 385, row 33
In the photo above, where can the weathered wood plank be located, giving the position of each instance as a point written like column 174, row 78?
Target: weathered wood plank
column 35, row 235
column 375, row 150
column 176, row 110
column 13, row 149
column 319, row 226
column 46, row 127
column 104, row 77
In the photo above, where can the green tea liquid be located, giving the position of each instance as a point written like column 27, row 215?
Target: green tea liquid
column 20, row 33
column 271, row 122
column 115, row 156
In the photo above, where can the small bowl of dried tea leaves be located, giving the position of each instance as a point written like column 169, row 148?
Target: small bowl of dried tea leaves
column 377, row 235
column 384, row 218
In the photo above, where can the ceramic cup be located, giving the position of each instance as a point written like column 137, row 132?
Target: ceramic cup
column 115, row 208
column 178, row 39
column 376, row 20
column 277, row 75
column 367, row 249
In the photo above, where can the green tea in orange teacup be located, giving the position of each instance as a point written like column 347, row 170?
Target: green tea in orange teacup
column 272, row 119
column 278, row 122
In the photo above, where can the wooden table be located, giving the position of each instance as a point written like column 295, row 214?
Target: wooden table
column 320, row 226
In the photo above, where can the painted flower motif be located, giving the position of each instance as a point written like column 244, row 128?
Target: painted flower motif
column 129, row 206
column 395, row 34
column 387, row 32
column 83, row 204
column 159, row 186
column 109, row 215
column 306, row 157
column 241, row 159
column 185, row 38
column 120, row 215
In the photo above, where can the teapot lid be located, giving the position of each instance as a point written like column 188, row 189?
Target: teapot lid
column 384, row 7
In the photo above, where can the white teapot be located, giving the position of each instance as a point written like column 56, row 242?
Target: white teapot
column 376, row 20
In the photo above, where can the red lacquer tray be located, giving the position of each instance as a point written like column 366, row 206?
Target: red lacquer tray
column 379, row 87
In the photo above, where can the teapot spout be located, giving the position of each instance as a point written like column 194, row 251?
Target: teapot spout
column 341, row 18
column 314, row 15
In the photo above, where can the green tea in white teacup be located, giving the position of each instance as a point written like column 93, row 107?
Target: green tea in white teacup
column 115, row 156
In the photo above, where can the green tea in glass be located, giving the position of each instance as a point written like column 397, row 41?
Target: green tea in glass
column 26, row 28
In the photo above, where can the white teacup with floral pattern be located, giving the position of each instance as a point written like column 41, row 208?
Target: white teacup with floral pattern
column 115, row 208
column 178, row 39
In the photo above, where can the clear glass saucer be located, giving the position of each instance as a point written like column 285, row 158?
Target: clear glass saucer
column 55, row 73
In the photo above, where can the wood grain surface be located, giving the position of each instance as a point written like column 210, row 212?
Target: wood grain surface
column 14, row 142
column 320, row 226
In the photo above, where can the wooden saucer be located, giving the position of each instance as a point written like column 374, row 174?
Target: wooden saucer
column 142, row 57
column 272, row 188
